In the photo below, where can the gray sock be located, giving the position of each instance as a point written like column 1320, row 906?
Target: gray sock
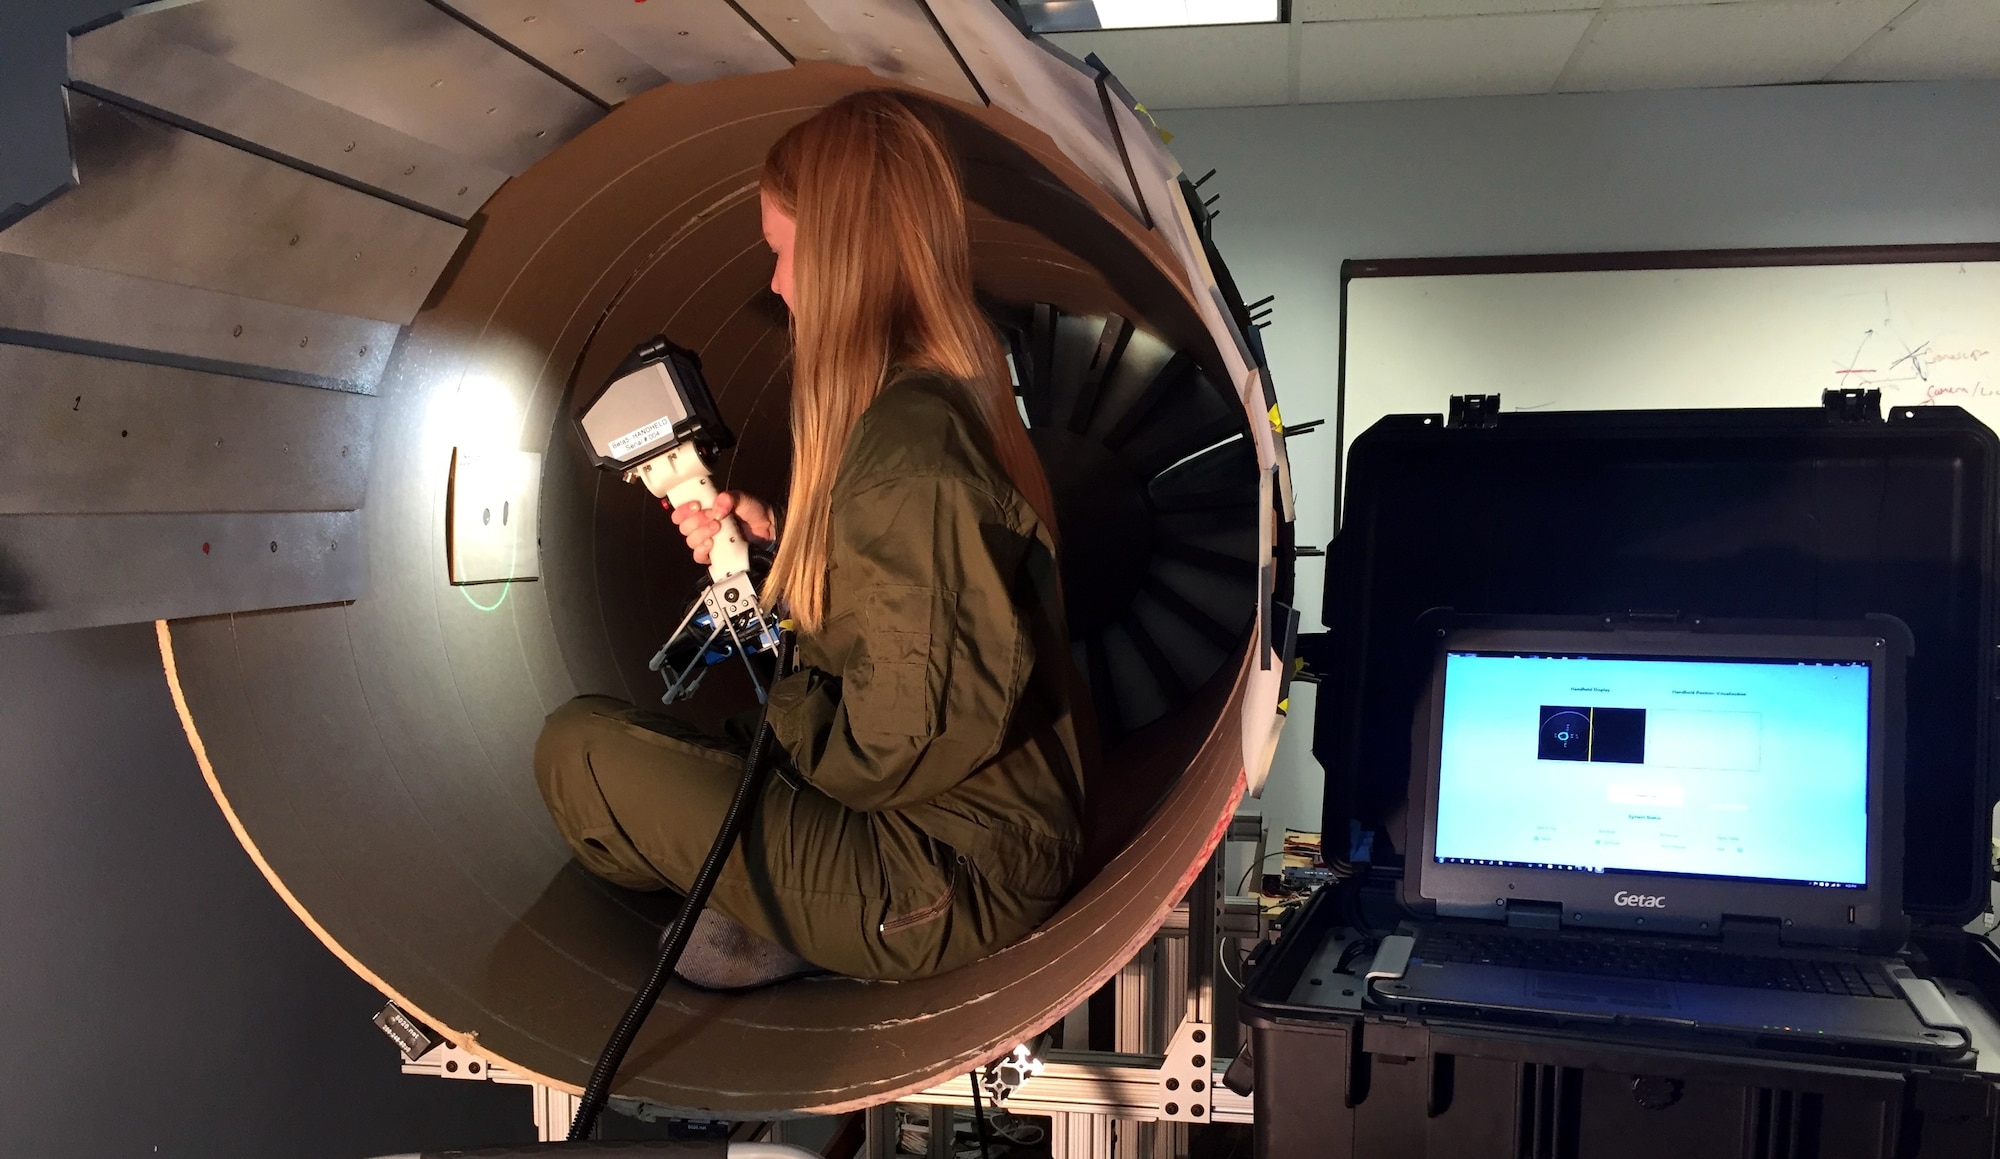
column 722, row 955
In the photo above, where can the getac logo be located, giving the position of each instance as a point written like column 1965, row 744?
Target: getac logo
column 1641, row 900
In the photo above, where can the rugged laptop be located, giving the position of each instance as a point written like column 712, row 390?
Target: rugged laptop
column 1696, row 829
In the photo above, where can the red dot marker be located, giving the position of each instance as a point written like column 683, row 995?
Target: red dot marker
column 204, row 549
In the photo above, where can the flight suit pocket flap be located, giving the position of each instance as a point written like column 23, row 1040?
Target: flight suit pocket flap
column 929, row 910
column 907, row 630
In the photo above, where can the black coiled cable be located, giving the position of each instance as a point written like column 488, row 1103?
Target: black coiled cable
column 598, row 1091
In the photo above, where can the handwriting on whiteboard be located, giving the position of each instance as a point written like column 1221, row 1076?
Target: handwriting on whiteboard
column 1925, row 372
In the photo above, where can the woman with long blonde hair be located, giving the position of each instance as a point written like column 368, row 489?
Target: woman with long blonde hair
column 931, row 811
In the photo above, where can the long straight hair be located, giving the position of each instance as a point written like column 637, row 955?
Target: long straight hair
column 881, row 280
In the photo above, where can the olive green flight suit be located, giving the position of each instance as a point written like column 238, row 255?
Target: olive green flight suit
column 932, row 810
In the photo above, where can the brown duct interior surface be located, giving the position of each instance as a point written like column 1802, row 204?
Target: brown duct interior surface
column 374, row 755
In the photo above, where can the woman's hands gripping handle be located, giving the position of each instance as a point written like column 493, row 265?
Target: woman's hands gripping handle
column 729, row 515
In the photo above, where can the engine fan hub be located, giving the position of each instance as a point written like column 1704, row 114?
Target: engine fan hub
column 1106, row 521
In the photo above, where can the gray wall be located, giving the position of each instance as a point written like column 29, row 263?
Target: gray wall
column 34, row 158
column 1305, row 187
column 156, row 997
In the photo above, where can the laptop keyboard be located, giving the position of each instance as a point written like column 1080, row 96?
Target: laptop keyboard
column 1658, row 961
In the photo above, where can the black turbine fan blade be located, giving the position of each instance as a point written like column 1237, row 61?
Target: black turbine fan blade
column 1156, row 488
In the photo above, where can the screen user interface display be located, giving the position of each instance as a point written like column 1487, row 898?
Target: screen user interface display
column 1722, row 768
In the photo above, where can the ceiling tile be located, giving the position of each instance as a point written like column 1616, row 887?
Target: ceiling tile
column 1180, row 68
column 1370, row 60
column 1316, row 10
column 1763, row 42
column 1933, row 40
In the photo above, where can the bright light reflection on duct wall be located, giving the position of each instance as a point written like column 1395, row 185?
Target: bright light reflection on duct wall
column 479, row 410
column 487, row 484
column 482, row 399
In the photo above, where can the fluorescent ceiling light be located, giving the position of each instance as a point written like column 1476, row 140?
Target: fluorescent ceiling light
column 1083, row 15
column 1169, row 13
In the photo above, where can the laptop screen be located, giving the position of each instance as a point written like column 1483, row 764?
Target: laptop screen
column 1731, row 768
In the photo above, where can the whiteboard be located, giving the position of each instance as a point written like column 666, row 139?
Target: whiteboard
column 1761, row 336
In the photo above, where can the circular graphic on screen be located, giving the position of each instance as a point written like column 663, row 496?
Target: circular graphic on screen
column 1565, row 734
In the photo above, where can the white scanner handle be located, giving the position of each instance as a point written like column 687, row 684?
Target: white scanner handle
column 679, row 476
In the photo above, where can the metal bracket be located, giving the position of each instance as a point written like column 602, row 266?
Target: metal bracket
column 1852, row 405
column 1086, row 1092
column 448, row 1060
column 1473, row 412
column 1002, row 1077
column 1187, row 1075
column 553, row 1107
column 1119, row 1086
column 411, row 1037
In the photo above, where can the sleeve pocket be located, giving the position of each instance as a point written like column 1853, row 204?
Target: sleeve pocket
column 908, row 632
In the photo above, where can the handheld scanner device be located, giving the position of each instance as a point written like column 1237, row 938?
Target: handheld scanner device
column 656, row 424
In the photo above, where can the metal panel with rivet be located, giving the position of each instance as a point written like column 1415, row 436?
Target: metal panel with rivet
column 899, row 40
column 402, row 63
column 1043, row 88
column 576, row 51
column 90, row 311
column 133, row 63
column 797, row 31
column 79, row 571
column 688, row 40
column 86, row 435
column 159, row 202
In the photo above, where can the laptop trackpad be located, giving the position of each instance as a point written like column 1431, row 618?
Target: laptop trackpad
column 1625, row 993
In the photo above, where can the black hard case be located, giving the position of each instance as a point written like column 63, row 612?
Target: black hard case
column 1830, row 513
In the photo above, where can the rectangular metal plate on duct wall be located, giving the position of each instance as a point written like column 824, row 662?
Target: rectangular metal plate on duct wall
column 899, row 40
column 1029, row 78
column 490, row 516
column 87, row 311
column 136, row 63
column 82, row 571
column 697, row 40
column 164, row 204
column 81, row 435
column 405, row 64
column 582, row 56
